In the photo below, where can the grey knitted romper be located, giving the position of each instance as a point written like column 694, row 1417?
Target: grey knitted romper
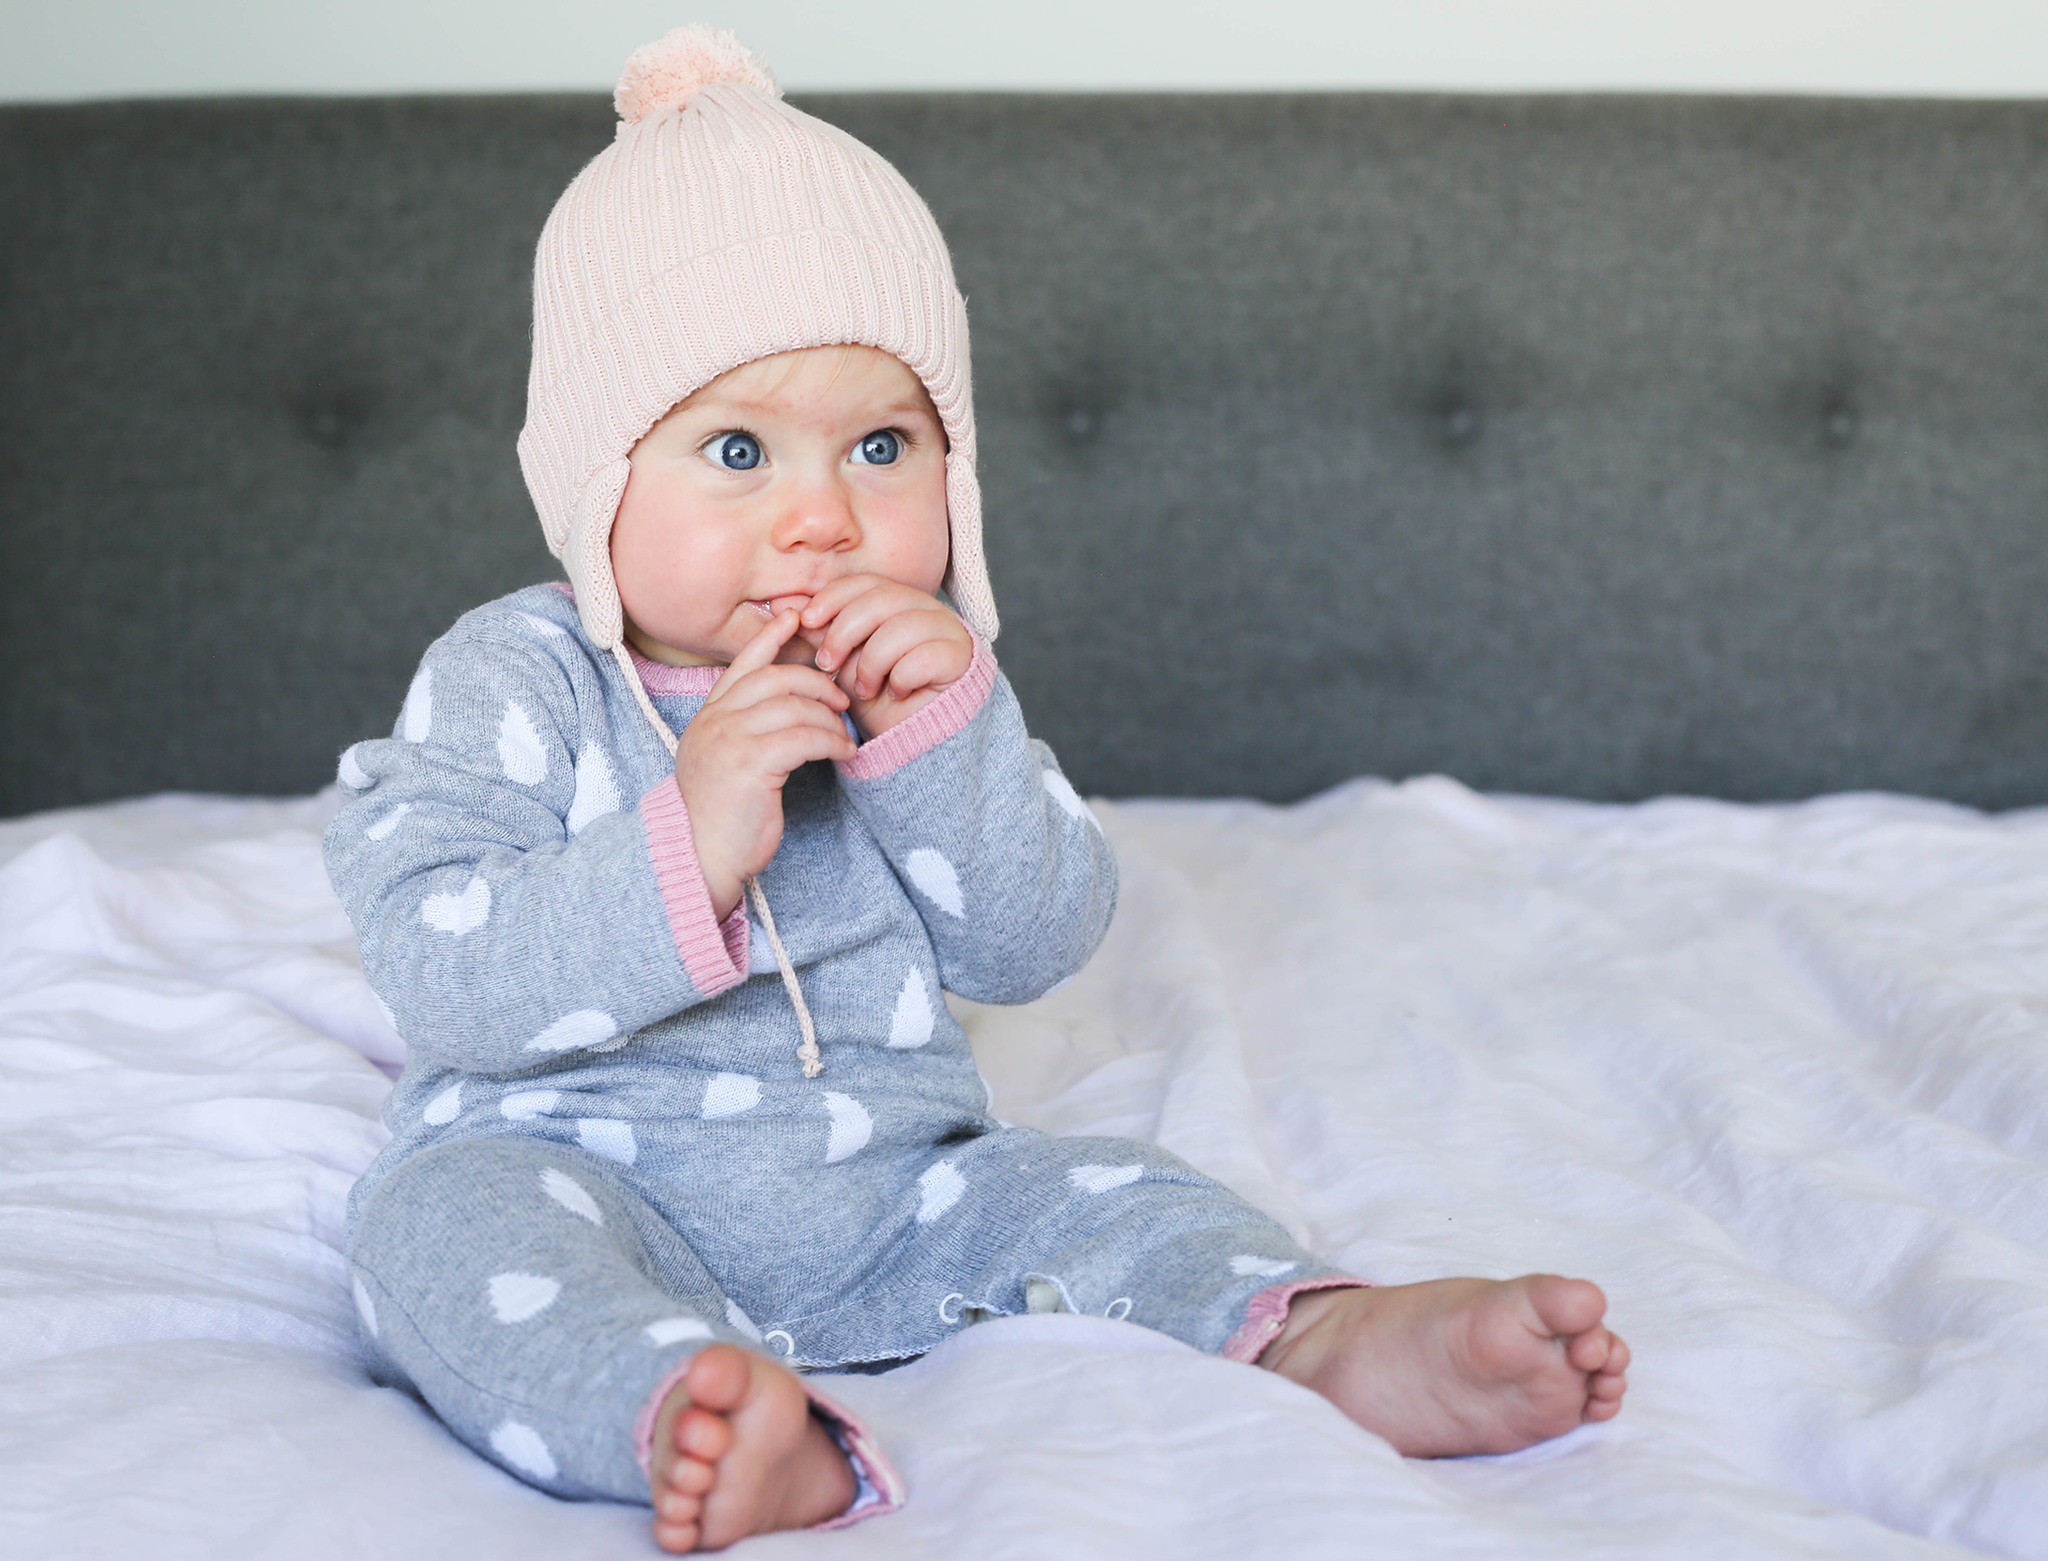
column 604, row 1150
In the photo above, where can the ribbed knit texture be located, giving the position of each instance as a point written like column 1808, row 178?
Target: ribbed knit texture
column 714, row 953
column 729, row 228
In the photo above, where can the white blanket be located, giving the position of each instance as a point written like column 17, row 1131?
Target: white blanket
column 1777, row 1078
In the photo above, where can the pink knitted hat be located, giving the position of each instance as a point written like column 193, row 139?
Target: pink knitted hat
column 721, row 226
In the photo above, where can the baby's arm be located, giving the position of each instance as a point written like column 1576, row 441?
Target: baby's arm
column 1007, row 866
column 512, row 901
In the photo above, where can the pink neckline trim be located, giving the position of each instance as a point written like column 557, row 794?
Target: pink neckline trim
column 658, row 677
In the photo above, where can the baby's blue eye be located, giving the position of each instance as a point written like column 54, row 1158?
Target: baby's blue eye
column 880, row 448
column 735, row 452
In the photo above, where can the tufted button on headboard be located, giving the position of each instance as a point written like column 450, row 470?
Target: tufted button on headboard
column 1601, row 447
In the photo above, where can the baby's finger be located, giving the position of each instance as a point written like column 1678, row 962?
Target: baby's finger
column 860, row 615
column 776, row 679
column 758, row 652
column 797, row 738
column 898, row 636
column 831, row 601
column 927, row 664
column 791, row 750
column 772, row 715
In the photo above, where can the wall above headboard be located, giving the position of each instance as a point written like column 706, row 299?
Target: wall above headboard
column 193, row 48
column 1592, row 446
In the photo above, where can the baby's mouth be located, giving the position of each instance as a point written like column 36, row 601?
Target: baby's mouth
column 769, row 606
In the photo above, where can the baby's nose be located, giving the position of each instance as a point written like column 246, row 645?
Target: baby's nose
column 820, row 517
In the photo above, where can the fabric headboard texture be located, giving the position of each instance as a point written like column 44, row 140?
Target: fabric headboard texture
column 1594, row 446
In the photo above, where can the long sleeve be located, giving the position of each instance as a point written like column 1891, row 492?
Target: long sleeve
column 1008, row 868
column 511, row 902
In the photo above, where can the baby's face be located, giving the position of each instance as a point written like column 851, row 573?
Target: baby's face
column 768, row 484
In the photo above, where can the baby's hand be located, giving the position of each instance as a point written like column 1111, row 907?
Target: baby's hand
column 890, row 647
column 763, row 719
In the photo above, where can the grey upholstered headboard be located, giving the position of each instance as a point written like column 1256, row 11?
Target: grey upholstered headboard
column 1594, row 446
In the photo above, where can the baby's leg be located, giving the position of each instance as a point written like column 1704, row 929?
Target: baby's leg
column 1457, row 1366
column 560, row 1328
column 1451, row 1367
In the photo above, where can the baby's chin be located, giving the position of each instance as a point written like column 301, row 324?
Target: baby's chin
column 672, row 655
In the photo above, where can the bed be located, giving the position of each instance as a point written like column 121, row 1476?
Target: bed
column 1669, row 472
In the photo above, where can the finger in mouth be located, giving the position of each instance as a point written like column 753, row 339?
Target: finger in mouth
column 769, row 606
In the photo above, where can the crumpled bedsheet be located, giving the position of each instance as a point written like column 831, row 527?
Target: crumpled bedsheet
column 1775, row 1077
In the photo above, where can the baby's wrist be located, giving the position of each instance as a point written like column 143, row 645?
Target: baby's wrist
column 873, row 724
column 724, row 888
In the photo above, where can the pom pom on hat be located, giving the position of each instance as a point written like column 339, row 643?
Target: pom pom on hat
column 670, row 71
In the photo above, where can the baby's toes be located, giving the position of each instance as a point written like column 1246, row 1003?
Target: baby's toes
column 1566, row 1307
column 703, row 1436
column 676, row 1507
column 678, row 1533
column 1592, row 1351
column 678, row 1539
column 690, row 1477
column 1598, row 1409
column 718, row 1378
column 1604, row 1388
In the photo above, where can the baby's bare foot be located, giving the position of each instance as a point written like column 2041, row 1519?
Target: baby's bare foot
column 737, row 1451
column 1458, row 1366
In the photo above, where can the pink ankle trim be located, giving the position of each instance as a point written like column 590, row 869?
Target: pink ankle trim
column 643, row 1423
column 714, row 953
column 932, row 725
column 879, row 1488
column 1267, row 1315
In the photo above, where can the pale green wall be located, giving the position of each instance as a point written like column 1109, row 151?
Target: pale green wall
column 94, row 48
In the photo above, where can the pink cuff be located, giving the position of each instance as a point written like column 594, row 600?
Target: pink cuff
column 879, row 1486
column 932, row 725
column 714, row 953
column 1267, row 1315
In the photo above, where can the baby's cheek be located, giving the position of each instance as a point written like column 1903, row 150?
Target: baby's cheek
column 923, row 544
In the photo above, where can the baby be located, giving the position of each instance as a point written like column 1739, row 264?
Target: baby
column 665, row 871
